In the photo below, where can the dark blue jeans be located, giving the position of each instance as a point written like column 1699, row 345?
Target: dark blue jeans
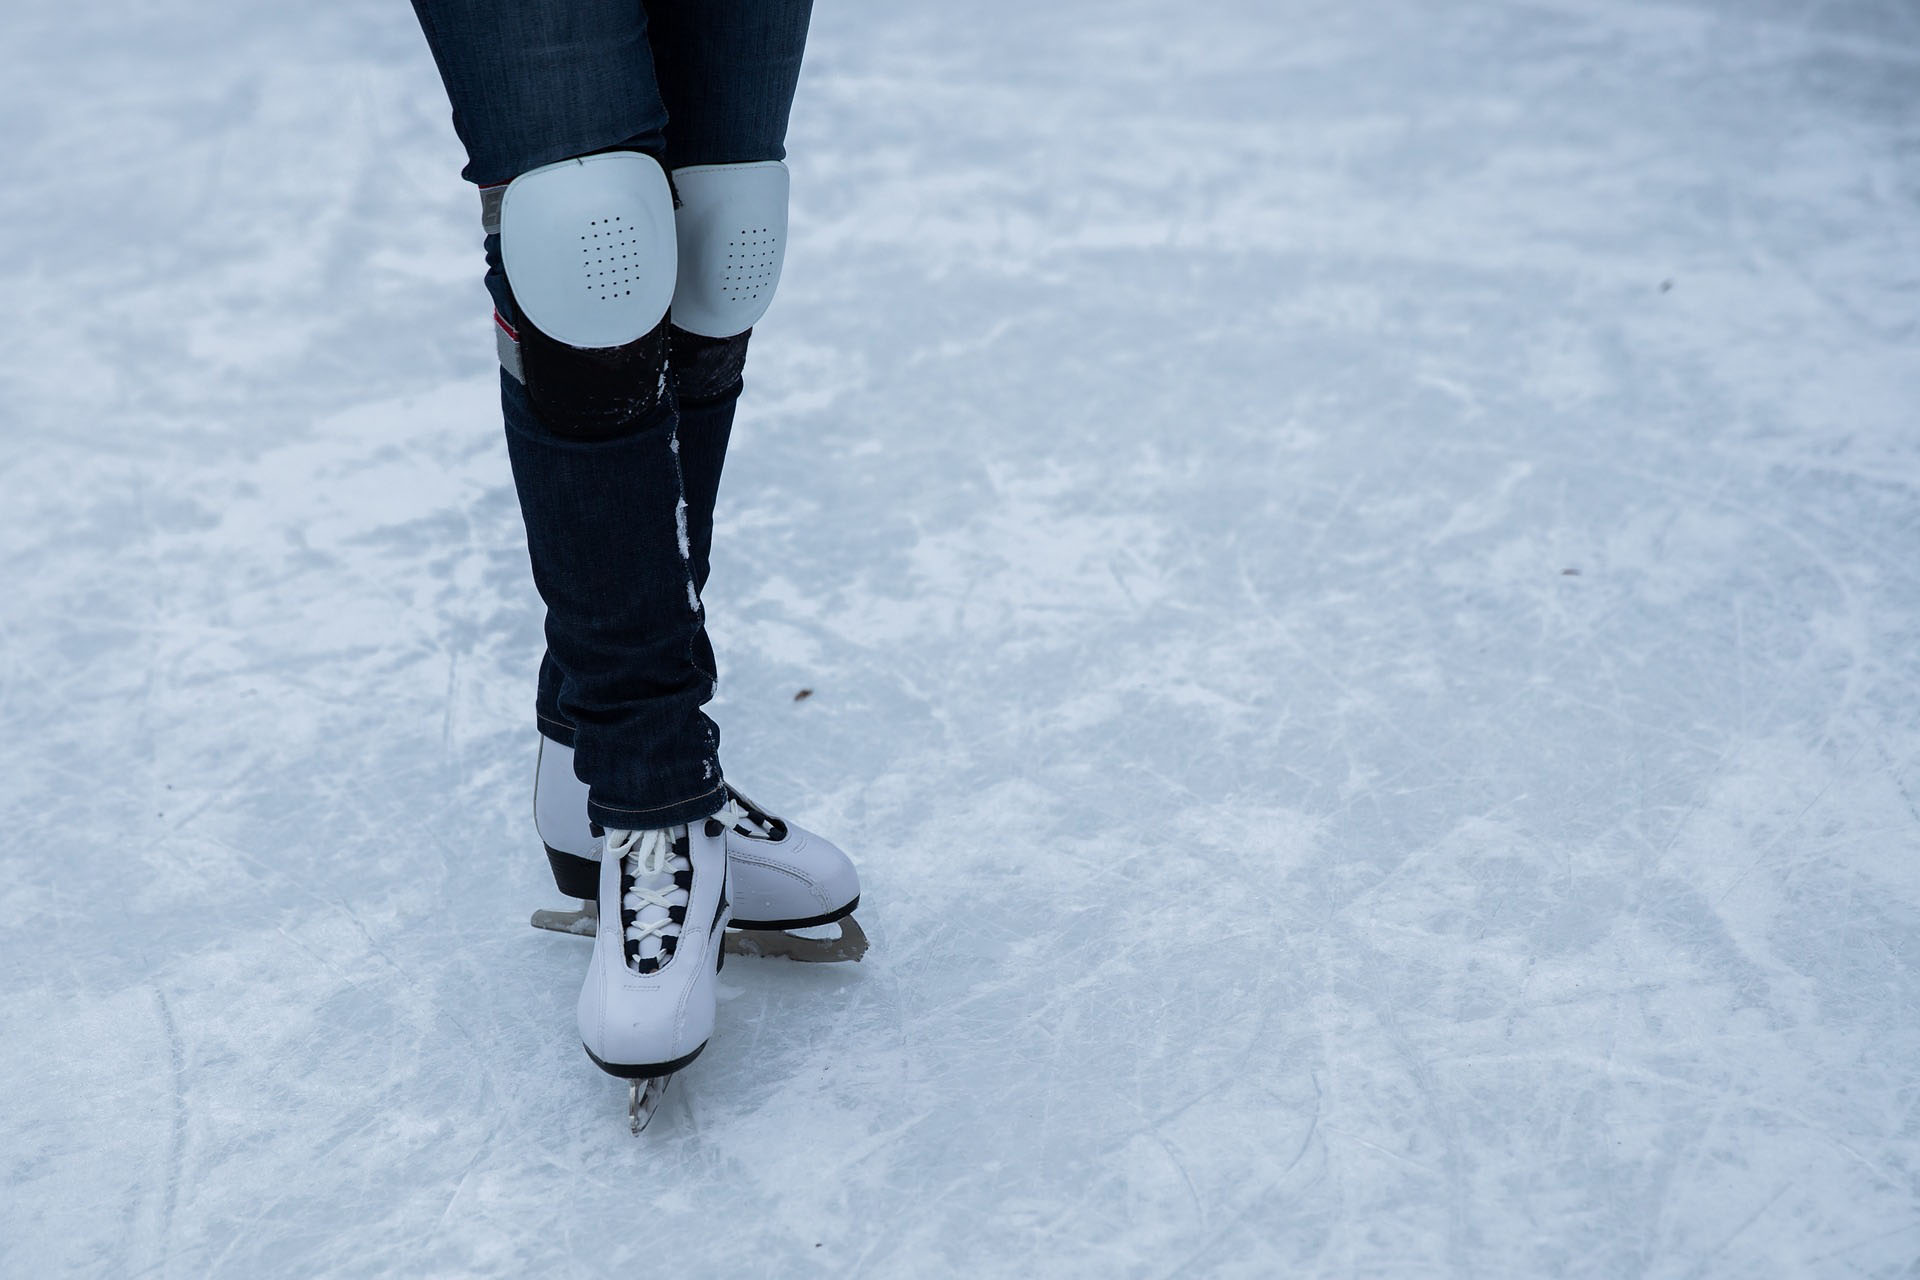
column 628, row 666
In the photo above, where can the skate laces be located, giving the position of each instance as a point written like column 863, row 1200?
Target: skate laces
column 656, row 877
column 744, row 816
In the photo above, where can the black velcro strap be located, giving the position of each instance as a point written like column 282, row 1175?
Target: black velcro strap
column 593, row 393
column 706, row 368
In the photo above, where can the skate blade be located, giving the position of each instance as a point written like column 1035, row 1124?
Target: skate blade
column 643, row 1099
column 847, row 947
column 582, row 923
column 805, row 947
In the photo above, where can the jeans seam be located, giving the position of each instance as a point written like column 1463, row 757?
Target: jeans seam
column 617, row 808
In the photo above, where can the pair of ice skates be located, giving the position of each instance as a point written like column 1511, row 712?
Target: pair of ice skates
column 665, row 906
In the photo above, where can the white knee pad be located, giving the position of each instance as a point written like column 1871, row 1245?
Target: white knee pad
column 732, row 227
column 588, row 246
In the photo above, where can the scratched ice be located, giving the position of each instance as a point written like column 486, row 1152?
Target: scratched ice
column 1359, row 567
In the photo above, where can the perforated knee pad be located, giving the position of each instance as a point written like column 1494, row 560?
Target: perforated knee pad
column 732, row 232
column 588, row 246
column 589, row 251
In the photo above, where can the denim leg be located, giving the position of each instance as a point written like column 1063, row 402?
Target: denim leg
column 727, row 72
column 707, row 385
column 533, row 82
column 628, row 665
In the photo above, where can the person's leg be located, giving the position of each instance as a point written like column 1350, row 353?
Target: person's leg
column 535, row 81
column 707, row 385
column 590, row 420
column 727, row 72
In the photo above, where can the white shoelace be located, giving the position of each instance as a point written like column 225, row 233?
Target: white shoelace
column 652, row 893
column 738, row 817
column 735, row 817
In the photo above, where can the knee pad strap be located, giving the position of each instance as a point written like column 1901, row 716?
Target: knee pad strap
column 587, row 393
column 705, row 369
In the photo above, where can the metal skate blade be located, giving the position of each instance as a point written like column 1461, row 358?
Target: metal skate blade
column 812, row 946
column 643, row 1099
column 583, row 922
column 806, row 947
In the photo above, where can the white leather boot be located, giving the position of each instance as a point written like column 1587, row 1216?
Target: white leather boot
column 783, row 876
column 647, row 1007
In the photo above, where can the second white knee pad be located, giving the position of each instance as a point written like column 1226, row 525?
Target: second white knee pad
column 732, row 233
column 589, row 247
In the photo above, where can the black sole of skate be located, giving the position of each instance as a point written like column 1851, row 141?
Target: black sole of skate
column 645, row 1071
column 809, row 922
column 742, row 938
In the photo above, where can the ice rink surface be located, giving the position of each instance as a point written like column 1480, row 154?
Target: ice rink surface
column 1359, row 567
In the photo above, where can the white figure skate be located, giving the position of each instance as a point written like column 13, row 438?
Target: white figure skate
column 794, row 892
column 647, row 1006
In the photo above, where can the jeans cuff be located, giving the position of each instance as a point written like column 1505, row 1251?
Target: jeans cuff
column 555, row 729
column 673, row 814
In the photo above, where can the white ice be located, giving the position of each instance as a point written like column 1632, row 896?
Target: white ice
column 1359, row 567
